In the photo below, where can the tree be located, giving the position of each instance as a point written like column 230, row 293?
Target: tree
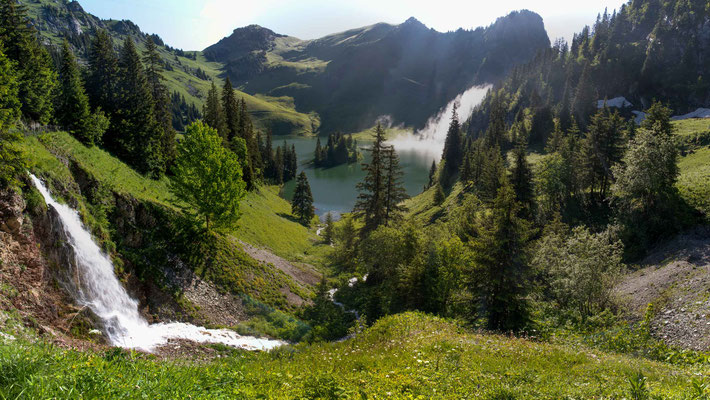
column 603, row 148
column 346, row 242
column 213, row 113
column 371, row 200
column 102, row 79
column 584, row 98
column 230, row 105
column 161, row 100
column 395, row 193
column 33, row 64
column 329, row 228
column 12, row 160
column 72, row 104
column 583, row 268
column 439, row 195
column 453, row 146
column 521, row 179
column 658, row 120
column 500, row 264
column 138, row 138
column 432, row 175
column 302, row 203
column 208, row 177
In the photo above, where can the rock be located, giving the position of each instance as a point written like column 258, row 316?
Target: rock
column 12, row 206
column 95, row 332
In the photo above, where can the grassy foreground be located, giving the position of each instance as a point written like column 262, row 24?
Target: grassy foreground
column 406, row 356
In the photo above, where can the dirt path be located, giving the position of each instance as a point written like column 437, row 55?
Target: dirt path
column 676, row 279
column 304, row 274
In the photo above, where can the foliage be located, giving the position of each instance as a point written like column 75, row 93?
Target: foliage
column 500, row 265
column 328, row 320
column 12, row 160
column 339, row 149
column 208, row 177
column 409, row 355
column 302, row 203
column 581, row 267
column 72, row 109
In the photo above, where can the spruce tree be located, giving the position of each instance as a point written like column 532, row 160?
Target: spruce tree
column 371, row 200
column 521, row 179
column 603, row 148
column 329, row 230
column 585, row 98
column 317, row 160
column 230, row 105
column 495, row 135
column 492, row 173
column 33, row 64
column 500, row 263
column 12, row 160
column 279, row 166
column 302, row 203
column 453, row 146
column 213, row 113
column 432, row 175
column 395, row 193
column 138, row 138
column 102, row 79
column 161, row 100
column 72, row 105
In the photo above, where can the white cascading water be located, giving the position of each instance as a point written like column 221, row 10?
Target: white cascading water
column 97, row 288
column 430, row 140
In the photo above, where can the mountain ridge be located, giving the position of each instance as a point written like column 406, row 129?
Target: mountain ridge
column 351, row 78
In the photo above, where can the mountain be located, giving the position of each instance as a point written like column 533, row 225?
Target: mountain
column 351, row 78
column 648, row 50
column 187, row 73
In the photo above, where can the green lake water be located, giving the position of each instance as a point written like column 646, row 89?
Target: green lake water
column 334, row 189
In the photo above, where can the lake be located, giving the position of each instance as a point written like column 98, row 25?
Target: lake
column 334, row 189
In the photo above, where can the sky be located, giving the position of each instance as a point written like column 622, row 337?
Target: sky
column 196, row 24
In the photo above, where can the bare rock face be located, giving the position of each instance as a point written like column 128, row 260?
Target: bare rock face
column 12, row 206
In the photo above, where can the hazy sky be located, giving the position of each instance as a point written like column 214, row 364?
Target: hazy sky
column 195, row 24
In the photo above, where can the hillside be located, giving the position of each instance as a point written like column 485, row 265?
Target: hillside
column 407, row 71
column 402, row 357
column 647, row 50
column 187, row 73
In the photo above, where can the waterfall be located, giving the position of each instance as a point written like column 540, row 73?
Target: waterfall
column 430, row 140
column 94, row 285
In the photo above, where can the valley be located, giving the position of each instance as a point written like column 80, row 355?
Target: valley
column 491, row 214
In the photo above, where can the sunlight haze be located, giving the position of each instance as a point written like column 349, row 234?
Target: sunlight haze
column 194, row 25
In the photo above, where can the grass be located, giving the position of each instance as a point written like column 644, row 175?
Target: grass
column 265, row 222
column 406, row 356
column 278, row 114
column 694, row 180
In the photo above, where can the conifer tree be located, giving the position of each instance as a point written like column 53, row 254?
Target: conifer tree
column 279, row 166
column 102, row 80
column 302, row 203
column 584, row 98
column 230, row 105
column 371, row 198
column 317, row 159
column 432, row 175
column 72, row 105
column 493, row 171
column 329, row 230
column 246, row 132
column 439, row 195
column 213, row 113
column 395, row 193
column 33, row 64
column 453, row 146
column 161, row 100
column 501, row 269
column 495, row 135
column 603, row 148
column 12, row 160
column 138, row 138
column 521, row 179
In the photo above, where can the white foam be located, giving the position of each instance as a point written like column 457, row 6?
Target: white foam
column 95, row 285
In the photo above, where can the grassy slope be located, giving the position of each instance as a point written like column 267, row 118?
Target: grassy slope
column 265, row 217
column 265, row 220
column 694, row 179
column 406, row 356
column 278, row 113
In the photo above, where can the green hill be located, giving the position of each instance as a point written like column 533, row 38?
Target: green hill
column 407, row 71
column 188, row 73
column 407, row 356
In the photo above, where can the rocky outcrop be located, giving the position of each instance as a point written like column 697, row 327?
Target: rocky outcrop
column 12, row 205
